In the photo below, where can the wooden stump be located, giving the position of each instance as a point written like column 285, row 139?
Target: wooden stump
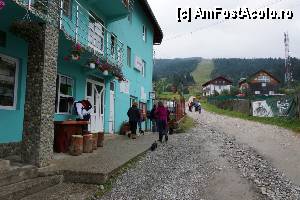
column 100, row 139
column 95, row 141
column 76, row 146
column 88, row 143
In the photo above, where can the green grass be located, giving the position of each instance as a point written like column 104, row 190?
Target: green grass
column 201, row 75
column 185, row 125
column 168, row 96
column 291, row 124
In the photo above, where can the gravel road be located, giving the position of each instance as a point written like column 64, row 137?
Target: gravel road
column 205, row 163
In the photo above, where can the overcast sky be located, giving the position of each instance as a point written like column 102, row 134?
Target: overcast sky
column 234, row 38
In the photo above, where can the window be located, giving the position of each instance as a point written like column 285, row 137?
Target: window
column 8, row 82
column 66, row 8
column 143, row 69
column 257, row 92
column 128, row 56
column 144, row 33
column 263, row 84
column 96, row 34
column 64, row 94
column 130, row 18
column 264, row 79
column 113, row 45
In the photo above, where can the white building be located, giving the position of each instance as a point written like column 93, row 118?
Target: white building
column 216, row 86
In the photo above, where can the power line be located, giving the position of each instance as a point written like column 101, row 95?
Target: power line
column 216, row 23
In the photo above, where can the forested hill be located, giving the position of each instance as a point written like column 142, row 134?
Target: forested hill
column 175, row 70
column 233, row 68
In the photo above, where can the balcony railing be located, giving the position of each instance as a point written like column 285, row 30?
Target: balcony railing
column 80, row 26
column 88, row 31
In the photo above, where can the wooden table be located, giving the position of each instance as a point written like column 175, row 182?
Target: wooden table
column 63, row 131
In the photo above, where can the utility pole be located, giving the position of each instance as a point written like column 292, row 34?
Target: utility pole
column 288, row 76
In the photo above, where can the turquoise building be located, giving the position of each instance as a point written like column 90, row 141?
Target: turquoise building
column 105, row 55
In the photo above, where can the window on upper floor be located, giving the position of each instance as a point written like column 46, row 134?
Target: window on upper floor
column 144, row 33
column 143, row 72
column 67, row 7
column 128, row 56
column 113, row 45
column 96, row 34
column 64, row 94
column 129, row 17
column 8, row 82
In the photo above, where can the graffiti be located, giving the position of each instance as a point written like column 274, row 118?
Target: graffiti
column 283, row 107
column 261, row 109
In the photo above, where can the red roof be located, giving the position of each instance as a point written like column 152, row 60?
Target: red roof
column 219, row 77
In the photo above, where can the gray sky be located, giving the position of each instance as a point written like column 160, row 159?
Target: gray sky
column 233, row 38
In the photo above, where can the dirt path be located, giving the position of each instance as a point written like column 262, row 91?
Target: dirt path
column 278, row 145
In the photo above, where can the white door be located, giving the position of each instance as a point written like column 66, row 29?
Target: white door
column 95, row 94
column 112, row 110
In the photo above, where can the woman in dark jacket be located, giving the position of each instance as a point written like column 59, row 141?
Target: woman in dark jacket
column 134, row 117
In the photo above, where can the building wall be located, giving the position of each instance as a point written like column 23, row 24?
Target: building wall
column 211, row 88
column 11, row 121
column 131, row 35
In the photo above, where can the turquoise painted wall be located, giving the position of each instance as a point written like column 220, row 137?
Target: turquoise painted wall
column 11, row 121
column 78, row 71
column 131, row 35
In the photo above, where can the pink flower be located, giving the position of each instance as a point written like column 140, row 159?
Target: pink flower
column 77, row 47
column 2, row 4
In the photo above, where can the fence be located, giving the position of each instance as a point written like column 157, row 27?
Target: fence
column 176, row 107
column 260, row 106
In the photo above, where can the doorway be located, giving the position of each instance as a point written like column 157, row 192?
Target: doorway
column 95, row 94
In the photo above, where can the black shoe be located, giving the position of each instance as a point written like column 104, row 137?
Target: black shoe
column 166, row 138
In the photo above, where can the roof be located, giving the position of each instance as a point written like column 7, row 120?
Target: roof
column 253, row 75
column 158, row 34
column 219, row 77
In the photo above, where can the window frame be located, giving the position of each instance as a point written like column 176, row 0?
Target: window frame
column 16, row 85
column 144, row 33
column 143, row 72
column 59, row 95
column 69, row 9
column 129, row 57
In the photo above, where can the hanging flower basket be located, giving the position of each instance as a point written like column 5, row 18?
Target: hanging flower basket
column 2, row 4
column 93, row 62
column 76, row 52
column 105, row 72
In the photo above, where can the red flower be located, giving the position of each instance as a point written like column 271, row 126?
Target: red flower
column 2, row 4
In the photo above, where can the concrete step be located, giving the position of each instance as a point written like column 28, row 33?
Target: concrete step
column 28, row 187
column 17, row 174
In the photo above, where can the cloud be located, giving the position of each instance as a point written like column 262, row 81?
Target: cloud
column 234, row 38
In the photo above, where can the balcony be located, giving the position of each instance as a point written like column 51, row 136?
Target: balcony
column 112, row 10
column 83, row 27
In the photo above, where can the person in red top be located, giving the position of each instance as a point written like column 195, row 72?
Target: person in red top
column 161, row 114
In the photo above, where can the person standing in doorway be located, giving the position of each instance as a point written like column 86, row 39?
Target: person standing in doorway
column 162, row 116
column 134, row 117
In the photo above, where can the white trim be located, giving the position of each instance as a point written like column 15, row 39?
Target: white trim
column 15, row 84
column 62, row 95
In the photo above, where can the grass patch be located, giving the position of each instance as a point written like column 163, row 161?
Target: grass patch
column 185, row 125
column 291, row 124
column 107, row 187
column 169, row 96
column 202, row 74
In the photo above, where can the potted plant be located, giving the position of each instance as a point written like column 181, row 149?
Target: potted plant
column 76, row 52
column 93, row 62
column 105, row 68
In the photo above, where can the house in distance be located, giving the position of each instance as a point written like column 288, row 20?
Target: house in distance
column 260, row 83
column 216, row 86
